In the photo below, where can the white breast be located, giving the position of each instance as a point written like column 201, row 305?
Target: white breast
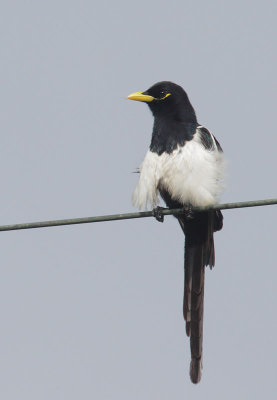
column 191, row 174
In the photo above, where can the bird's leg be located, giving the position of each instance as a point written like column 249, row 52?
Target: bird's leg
column 157, row 213
column 188, row 212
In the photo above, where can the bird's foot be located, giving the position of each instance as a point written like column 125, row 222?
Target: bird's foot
column 157, row 213
column 188, row 212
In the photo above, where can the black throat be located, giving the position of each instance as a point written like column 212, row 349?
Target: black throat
column 169, row 133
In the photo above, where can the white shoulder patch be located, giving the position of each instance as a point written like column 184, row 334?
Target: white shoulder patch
column 191, row 174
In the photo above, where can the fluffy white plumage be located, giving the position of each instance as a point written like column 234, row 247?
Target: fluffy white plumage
column 191, row 174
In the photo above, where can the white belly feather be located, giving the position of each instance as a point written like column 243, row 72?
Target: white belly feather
column 191, row 174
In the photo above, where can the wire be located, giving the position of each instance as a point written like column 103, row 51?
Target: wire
column 144, row 214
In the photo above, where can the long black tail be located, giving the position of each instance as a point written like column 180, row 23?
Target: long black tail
column 199, row 252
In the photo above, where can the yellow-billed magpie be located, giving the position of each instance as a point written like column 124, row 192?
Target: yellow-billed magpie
column 185, row 166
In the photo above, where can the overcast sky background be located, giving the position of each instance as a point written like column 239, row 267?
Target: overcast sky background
column 95, row 311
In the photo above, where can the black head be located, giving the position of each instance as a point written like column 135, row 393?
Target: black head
column 166, row 99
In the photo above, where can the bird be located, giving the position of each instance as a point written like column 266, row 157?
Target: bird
column 184, row 166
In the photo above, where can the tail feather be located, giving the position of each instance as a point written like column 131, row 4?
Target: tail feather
column 194, row 306
column 188, row 289
column 199, row 252
column 197, row 314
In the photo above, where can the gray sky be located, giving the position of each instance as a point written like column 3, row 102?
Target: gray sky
column 95, row 311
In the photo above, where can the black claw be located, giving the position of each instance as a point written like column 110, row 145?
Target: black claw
column 188, row 212
column 157, row 213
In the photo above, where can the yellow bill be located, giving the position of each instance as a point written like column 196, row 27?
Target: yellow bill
column 139, row 96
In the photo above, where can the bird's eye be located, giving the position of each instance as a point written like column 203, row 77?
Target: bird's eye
column 163, row 95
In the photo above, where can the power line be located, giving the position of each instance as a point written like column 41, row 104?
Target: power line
column 144, row 214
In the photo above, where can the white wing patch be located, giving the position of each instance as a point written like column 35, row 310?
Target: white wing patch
column 191, row 174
